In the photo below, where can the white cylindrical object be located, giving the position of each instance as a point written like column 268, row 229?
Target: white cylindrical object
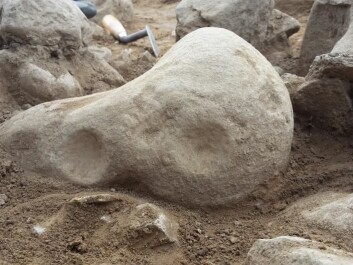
column 113, row 26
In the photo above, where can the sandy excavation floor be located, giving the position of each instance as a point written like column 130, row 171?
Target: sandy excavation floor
column 319, row 162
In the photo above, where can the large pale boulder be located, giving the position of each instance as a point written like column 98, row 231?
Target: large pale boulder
column 44, row 54
column 266, row 28
column 122, row 9
column 328, row 22
column 287, row 250
column 205, row 126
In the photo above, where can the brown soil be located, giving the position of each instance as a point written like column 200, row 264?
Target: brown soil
column 320, row 161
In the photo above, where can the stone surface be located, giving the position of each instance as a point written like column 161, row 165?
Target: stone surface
column 94, row 199
column 344, row 45
column 328, row 22
column 334, row 216
column 279, row 70
column 248, row 19
column 41, row 63
column 153, row 225
column 189, row 130
column 3, row 199
column 102, row 52
column 295, row 251
column 325, row 96
column 40, row 85
column 283, row 23
column 267, row 29
column 97, row 31
column 293, row 83
column 21, row 24
column 121, row 9
column 325, row 216
column 280, row 27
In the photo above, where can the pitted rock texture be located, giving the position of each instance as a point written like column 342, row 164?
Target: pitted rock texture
column 190, row 130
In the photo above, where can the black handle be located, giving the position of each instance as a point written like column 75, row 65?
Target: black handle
column 134, row 36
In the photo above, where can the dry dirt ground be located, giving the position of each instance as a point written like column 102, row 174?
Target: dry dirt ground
column 320, row 161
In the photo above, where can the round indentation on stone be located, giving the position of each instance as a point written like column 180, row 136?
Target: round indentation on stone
column 83, row 157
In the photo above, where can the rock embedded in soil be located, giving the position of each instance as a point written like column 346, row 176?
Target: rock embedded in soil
column 190, row 130
column 335, row 216
column 325, row 216
column 287, row 250
column 3, row 199
column 152, row 226
column 61, row 231
column 94, row 199
column 328, row 213
column 328, row 22
column 41, row 63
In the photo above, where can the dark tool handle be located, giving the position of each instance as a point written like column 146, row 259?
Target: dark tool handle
column 134, row 36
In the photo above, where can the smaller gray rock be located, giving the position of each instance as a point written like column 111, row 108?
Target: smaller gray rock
column 40, row 85
column 154, row 225
column 279, row 70
column 148, row 57
column 344, row 45
column 97, row 31
column 95, row 199
column 102, row 52
column 292, row 82
column 280, row 27
column 283, row 23
column 324, row 97
column 287, row 250
column 3, row 199
column 336, row 216
column 126, row 55
column 248, row 19
column 122, row 9
column 326, row 102
column 328, row 22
